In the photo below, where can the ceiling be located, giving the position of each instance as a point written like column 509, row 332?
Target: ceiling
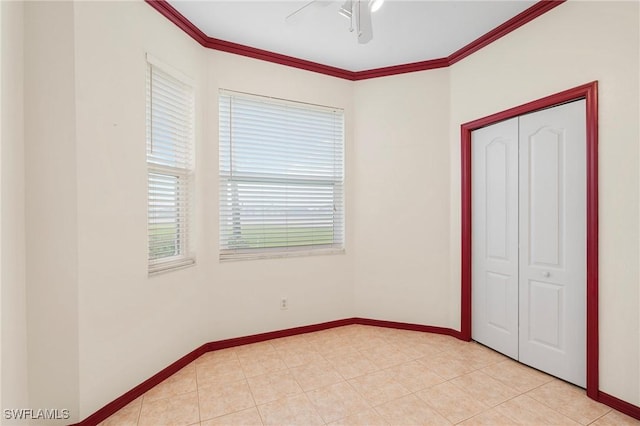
column 403, row 31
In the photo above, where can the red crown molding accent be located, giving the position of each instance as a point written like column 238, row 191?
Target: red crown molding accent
column 194, row 32
column 500, row 31
column 589, row 92
column 402, row 69
column 177, row 18
column 276, row 58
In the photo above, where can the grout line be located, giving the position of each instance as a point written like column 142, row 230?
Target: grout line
column 308, row 343
column 141, row 406
column 195, row 372
column 606, row 413
column 140, row 410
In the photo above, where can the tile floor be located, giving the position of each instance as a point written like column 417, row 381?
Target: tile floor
column 361, row 375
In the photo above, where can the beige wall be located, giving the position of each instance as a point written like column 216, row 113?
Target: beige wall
column 85, row 167
column 51, row 214
column 576, row 43
column 13, row 366
column 402, row 198
column 3, row 36
column 132, row 326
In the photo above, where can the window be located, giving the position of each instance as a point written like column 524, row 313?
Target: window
column 170, row 105
column 281, row 177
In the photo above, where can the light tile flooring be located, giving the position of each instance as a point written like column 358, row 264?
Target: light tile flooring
column 361, row 375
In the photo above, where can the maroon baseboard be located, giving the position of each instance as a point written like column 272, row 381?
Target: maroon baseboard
column 412, row 327
column 143, row 387
column 255, row 338
column 620, row 405
column 126, row 398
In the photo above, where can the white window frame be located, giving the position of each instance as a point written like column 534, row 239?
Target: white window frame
column 174, row 160
column 230, row 178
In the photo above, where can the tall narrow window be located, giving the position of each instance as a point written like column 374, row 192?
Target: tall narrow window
column 281, row 177
column 170, row 106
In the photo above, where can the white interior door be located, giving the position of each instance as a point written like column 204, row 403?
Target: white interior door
column 529, row 239
column 495, row 236
column 553, row 241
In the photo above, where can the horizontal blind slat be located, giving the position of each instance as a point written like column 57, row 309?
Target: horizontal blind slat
column 281, row 175
column 170, row 109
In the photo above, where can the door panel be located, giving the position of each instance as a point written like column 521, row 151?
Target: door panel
column 546, row 191
column 552, row 213
column 545, row 313
column 497, row 286
column 495, row 236
column 496, row 197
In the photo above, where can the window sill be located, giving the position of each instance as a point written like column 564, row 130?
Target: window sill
column 233, row 257
column 169, row 266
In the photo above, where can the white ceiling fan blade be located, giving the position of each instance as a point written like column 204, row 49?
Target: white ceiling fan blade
column 363, row 21
column 315, row 3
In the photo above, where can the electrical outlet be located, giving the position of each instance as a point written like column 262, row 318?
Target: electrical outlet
column 284, row 304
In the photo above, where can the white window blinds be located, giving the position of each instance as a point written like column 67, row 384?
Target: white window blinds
column 170, row 105
column 281, row 177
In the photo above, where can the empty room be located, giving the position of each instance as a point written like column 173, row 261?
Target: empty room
column 359, row 212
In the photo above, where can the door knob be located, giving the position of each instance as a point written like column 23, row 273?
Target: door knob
column 546, row 274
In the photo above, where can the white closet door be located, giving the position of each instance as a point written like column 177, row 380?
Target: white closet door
column 553, row 241
column 495, row 236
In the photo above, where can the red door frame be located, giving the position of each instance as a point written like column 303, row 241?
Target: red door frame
column 589, row 92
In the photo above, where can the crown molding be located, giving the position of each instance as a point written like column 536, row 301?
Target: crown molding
column 498, row 32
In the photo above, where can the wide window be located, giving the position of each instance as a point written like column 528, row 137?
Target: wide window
column 170, row 105
column 281, row 177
